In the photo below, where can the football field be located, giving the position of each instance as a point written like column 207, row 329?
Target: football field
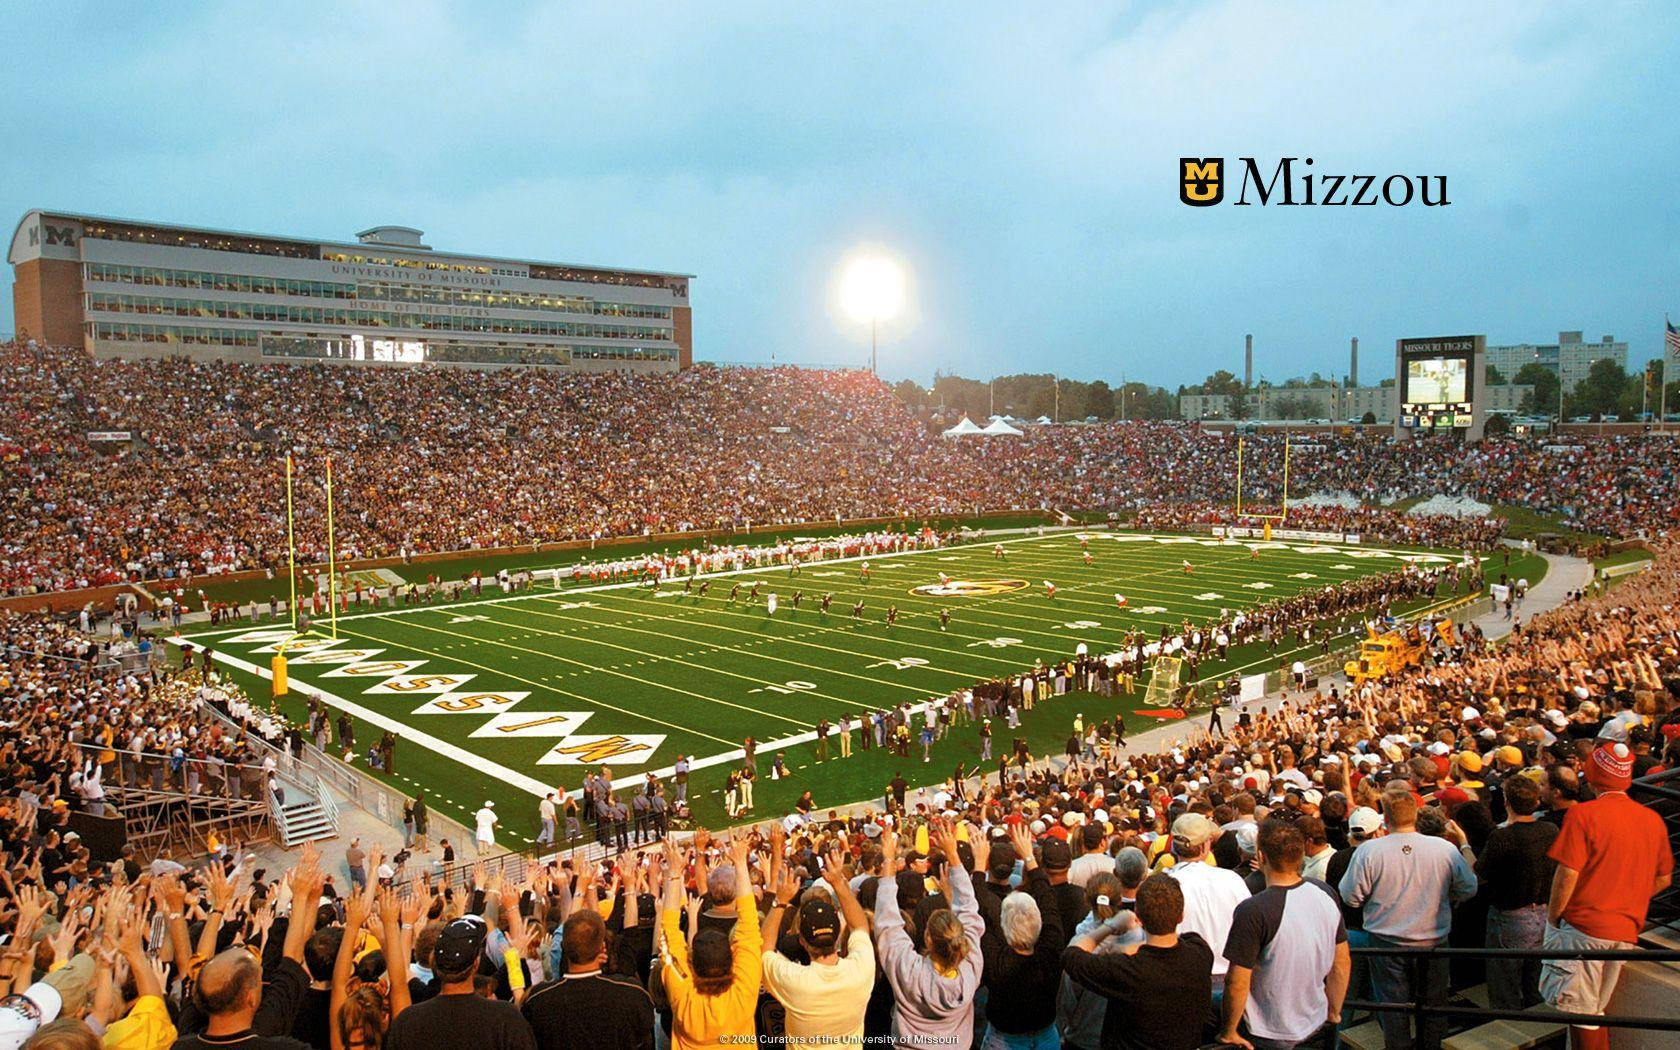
column 507, row 696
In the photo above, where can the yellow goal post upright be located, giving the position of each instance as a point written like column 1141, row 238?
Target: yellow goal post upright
column 277, row 666
column 1266, row 520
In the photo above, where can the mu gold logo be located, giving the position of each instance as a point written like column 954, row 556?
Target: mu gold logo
column 1201, row 181
column 968, row 588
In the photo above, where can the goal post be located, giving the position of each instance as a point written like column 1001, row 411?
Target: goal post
column 1266, row 518
column 1162, row 690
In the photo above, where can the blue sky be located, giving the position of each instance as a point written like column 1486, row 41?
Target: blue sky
column 1020, row 159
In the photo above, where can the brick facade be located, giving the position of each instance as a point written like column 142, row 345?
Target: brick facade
column 47, row 301
column 682, row 333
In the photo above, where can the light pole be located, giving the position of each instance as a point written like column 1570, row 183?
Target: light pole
column 872, row 289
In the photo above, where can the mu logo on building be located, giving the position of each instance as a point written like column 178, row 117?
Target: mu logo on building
column 65, row 235
column 1201, row 184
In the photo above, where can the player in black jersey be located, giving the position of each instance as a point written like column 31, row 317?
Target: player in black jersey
column 944, row 618
column 857, row 610
column 892, row 615
column 827, row 600
column 734, row 593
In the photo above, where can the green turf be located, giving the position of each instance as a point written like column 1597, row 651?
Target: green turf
column 1627, row 557
column 456, row 568
column 685, row 675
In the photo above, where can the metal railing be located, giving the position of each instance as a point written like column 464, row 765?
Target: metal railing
column 1420, row 1009
column 1661, row 792
column 329, row 805
column 330, row 774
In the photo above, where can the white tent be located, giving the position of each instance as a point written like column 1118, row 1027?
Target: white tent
column 999, row 427
column 965, row 428
column 1044, row 421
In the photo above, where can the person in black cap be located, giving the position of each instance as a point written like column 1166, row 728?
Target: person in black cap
column 457, row 1017
column 1056, row 858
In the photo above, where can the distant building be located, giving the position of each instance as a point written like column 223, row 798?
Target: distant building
column 1337, row 404
column 1569, row 353
column 127, row 288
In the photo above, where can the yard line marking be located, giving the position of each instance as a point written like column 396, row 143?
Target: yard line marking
column 504, row 672
column 1142, row 539
column 620, row 674
column 402, row 729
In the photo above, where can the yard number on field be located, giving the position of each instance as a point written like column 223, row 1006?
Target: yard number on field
column 795, row 686
column 903, row 663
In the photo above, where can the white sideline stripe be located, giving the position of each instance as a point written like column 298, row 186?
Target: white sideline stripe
column 403, row 730
column 1055, row 532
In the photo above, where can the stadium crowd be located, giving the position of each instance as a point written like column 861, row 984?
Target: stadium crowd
column 435, row 458
column 1120, row 899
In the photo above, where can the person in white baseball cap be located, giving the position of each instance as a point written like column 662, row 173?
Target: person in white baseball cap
column 21, row 1014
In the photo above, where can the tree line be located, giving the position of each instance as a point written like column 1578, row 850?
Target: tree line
column 1607, row 390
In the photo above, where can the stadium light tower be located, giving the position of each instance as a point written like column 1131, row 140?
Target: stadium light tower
column 872, row 289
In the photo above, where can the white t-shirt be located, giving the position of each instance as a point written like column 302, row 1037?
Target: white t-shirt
column 824, row 1002
column 1211, row 895
column 1086, row 865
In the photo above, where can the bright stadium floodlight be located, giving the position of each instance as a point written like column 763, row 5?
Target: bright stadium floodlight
column 872, row 289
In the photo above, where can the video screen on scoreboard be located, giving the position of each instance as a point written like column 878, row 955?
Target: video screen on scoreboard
column 1437, row 381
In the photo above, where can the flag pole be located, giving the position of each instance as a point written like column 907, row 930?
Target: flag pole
column 332, row 569
column 291, row 543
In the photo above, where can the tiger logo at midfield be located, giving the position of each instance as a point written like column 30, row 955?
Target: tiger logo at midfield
column 968, row 588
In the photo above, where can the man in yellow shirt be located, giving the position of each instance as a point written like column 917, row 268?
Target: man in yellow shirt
column 713, row 986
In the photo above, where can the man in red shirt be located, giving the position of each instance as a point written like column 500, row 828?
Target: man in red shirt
column 1612, row 856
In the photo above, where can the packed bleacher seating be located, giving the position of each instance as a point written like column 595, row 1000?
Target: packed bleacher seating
column 1112, row 898
column 434, row 458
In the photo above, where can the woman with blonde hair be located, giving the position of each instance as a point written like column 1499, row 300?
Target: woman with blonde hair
column 933, row 988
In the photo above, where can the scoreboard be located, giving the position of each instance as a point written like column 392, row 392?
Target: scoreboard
column 1438, row 382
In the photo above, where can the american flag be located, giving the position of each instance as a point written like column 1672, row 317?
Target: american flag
column 1671, row 344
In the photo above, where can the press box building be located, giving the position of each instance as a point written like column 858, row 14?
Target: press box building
column 127, row 288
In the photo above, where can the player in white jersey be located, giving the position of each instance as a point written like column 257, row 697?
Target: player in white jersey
column 1119, row 600
column 1049, row 589
column 770, row 603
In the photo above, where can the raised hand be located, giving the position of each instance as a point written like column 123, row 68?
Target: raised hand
column 739, row 849
column 1021, row 837
column 357, row 908
column 834, row 867
column 982, row 847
